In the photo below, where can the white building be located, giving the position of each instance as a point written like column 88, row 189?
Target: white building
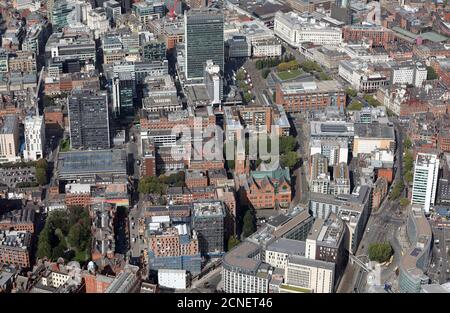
column 409, row 74
column 97, row 21
column 34, row 138
column 296, row 29
column 266, row 48
column 426, row 169
column 362, row 76
column 214, row 82
column 171, row 278
column 305, row 274
column 243, row 271
column 336, row 151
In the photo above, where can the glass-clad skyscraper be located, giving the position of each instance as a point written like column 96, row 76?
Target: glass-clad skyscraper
column 203, row 40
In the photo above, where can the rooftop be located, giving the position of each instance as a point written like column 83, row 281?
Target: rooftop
column 99, row 161
column 374, row 130
column 208, row 208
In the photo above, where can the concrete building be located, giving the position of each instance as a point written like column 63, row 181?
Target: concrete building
column 335, row 150
column 266, row 48
column 9, row 138
column 128, row 281
column 363, row 77
column 341, row 179
column 170, row 278
column 304, row 275
column 88, row 120
column 409, row 74
column 414, row 264
column 353, row 209
column 246, row 268
column 243, row 271
column 214, row 82
column 426, row 170
column 95, row 167
column 34, row 138
column 319, row 176
column 296, row 29
column 372, row 137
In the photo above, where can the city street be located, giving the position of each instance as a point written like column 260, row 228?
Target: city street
column 440, row 267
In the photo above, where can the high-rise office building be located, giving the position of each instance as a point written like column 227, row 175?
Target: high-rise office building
column 88, row 120
column 34, row 137
column 203, row 41
column 60, row 14
column 426, row 169
column 123, row 86
column 341, row 11
column 208, row 220
column 9, row 138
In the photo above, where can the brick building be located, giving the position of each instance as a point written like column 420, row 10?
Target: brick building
column 376, row 35
column 196, row 178
column 298, row 97
column 96, row 283
column 15, row 248
column 267, row 189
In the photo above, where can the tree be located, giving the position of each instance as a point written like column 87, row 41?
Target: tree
column 431, row 73
column 249, row 223
column 351, row 92
column 151, row 185
column 289, row 159
column 240, row 75
column 380, row 252
column 74, row 236
column 41, row 176
column 354, row 106
column 48, row 101
column 265, row 73
column 248, row 97
column 408, row 161
column 404, row 202
column 42, row 163
column 44, row 247
column 287, row 143
column 323, row 76
column 372, row 101
column 310, row 66
column 409, row 177
column 230, row 164
column 259, row 65
column 232, row 242
column 397, row 190
column 58, row 252
column 407, row 144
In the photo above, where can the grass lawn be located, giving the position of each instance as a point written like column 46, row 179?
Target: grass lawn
column 293, row 288
column 289, row 74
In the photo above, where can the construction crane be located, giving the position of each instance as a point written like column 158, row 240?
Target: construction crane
column 172, row 9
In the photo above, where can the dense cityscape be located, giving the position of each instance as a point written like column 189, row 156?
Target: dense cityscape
column 224, row 146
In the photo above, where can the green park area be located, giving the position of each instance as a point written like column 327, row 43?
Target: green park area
column 289, row 74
